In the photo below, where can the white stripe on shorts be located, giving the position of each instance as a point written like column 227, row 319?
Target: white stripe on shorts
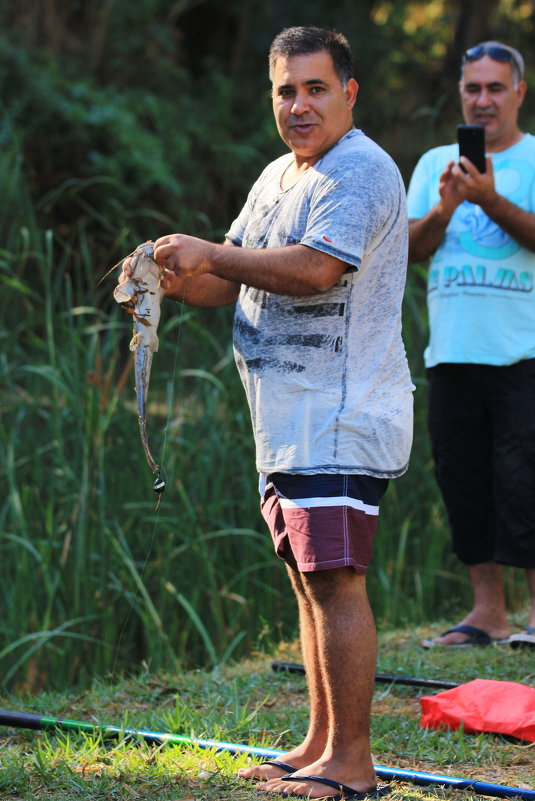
column 339, row 500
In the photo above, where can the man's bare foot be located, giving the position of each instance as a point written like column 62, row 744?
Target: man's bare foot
column 296, row 759
column 272, row 769
column 330, row 770
column 468, row 634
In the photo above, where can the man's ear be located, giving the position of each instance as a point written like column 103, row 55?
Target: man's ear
column 521, row 92
column 352, row 89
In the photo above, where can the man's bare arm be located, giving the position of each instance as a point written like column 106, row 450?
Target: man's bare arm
column 201, row 290
column 479, row 188
column 426, row 233
column 294, row 270
column 515, row 221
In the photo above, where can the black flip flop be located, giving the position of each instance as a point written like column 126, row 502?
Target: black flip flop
column 475, row 637
column 345, row 793
column 277, row 763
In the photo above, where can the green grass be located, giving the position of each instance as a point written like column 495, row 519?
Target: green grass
column 249, row 703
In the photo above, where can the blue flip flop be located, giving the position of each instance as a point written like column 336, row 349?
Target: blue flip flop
column 475, row 637
column 345, row 793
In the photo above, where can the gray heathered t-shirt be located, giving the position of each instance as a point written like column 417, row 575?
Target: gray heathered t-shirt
column 326, row 375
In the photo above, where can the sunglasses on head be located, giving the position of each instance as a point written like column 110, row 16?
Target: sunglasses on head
column 495, row 52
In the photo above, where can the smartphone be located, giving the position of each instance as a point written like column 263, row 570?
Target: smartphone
column 471, row 140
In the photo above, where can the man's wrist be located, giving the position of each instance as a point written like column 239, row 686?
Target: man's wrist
column 492, row 204
column 442, row 213
column 217, row 258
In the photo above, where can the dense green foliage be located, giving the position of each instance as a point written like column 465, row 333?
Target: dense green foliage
column 119, row 125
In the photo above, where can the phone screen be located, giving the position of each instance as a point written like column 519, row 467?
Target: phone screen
column 471, row 140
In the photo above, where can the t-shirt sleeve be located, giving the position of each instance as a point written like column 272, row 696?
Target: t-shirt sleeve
column 352, row 206
column 235, row 234
column 236, row 231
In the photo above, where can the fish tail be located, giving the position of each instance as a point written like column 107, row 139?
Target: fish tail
column 145, row 442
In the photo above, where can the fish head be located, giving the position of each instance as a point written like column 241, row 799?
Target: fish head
column 143, row 271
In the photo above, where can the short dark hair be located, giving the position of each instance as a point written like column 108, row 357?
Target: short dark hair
column 303, row 40
column 499, row 52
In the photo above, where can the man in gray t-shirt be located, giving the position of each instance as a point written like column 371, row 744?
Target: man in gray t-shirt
column 342, row 399
column 316, row 262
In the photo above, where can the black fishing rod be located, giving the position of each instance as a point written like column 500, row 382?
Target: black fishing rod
column 295, row 667
column 24, row 720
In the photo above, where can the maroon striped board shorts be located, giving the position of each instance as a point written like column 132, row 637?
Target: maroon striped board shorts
column 323, row 521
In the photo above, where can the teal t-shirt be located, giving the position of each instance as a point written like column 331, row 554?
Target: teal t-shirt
column 481, row 283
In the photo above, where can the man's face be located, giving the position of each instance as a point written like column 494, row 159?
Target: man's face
column 311, row 109
column 490, row 98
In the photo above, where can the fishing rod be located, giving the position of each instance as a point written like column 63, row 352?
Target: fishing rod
column 413, row 681
column 24, row 720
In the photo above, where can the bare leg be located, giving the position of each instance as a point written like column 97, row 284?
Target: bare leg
column 314, row 743
column 316, row 738
column 347, row 651
column 488, row 611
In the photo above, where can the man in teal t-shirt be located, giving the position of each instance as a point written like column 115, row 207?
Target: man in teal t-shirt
column 478, row 229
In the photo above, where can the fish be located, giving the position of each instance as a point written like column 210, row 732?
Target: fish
column 141, row 295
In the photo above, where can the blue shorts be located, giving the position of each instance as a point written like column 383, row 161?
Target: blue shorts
column 323, row 521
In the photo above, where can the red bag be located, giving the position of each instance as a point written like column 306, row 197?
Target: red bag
column 483, row 705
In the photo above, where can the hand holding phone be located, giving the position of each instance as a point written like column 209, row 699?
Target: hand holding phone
column 471, row 140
